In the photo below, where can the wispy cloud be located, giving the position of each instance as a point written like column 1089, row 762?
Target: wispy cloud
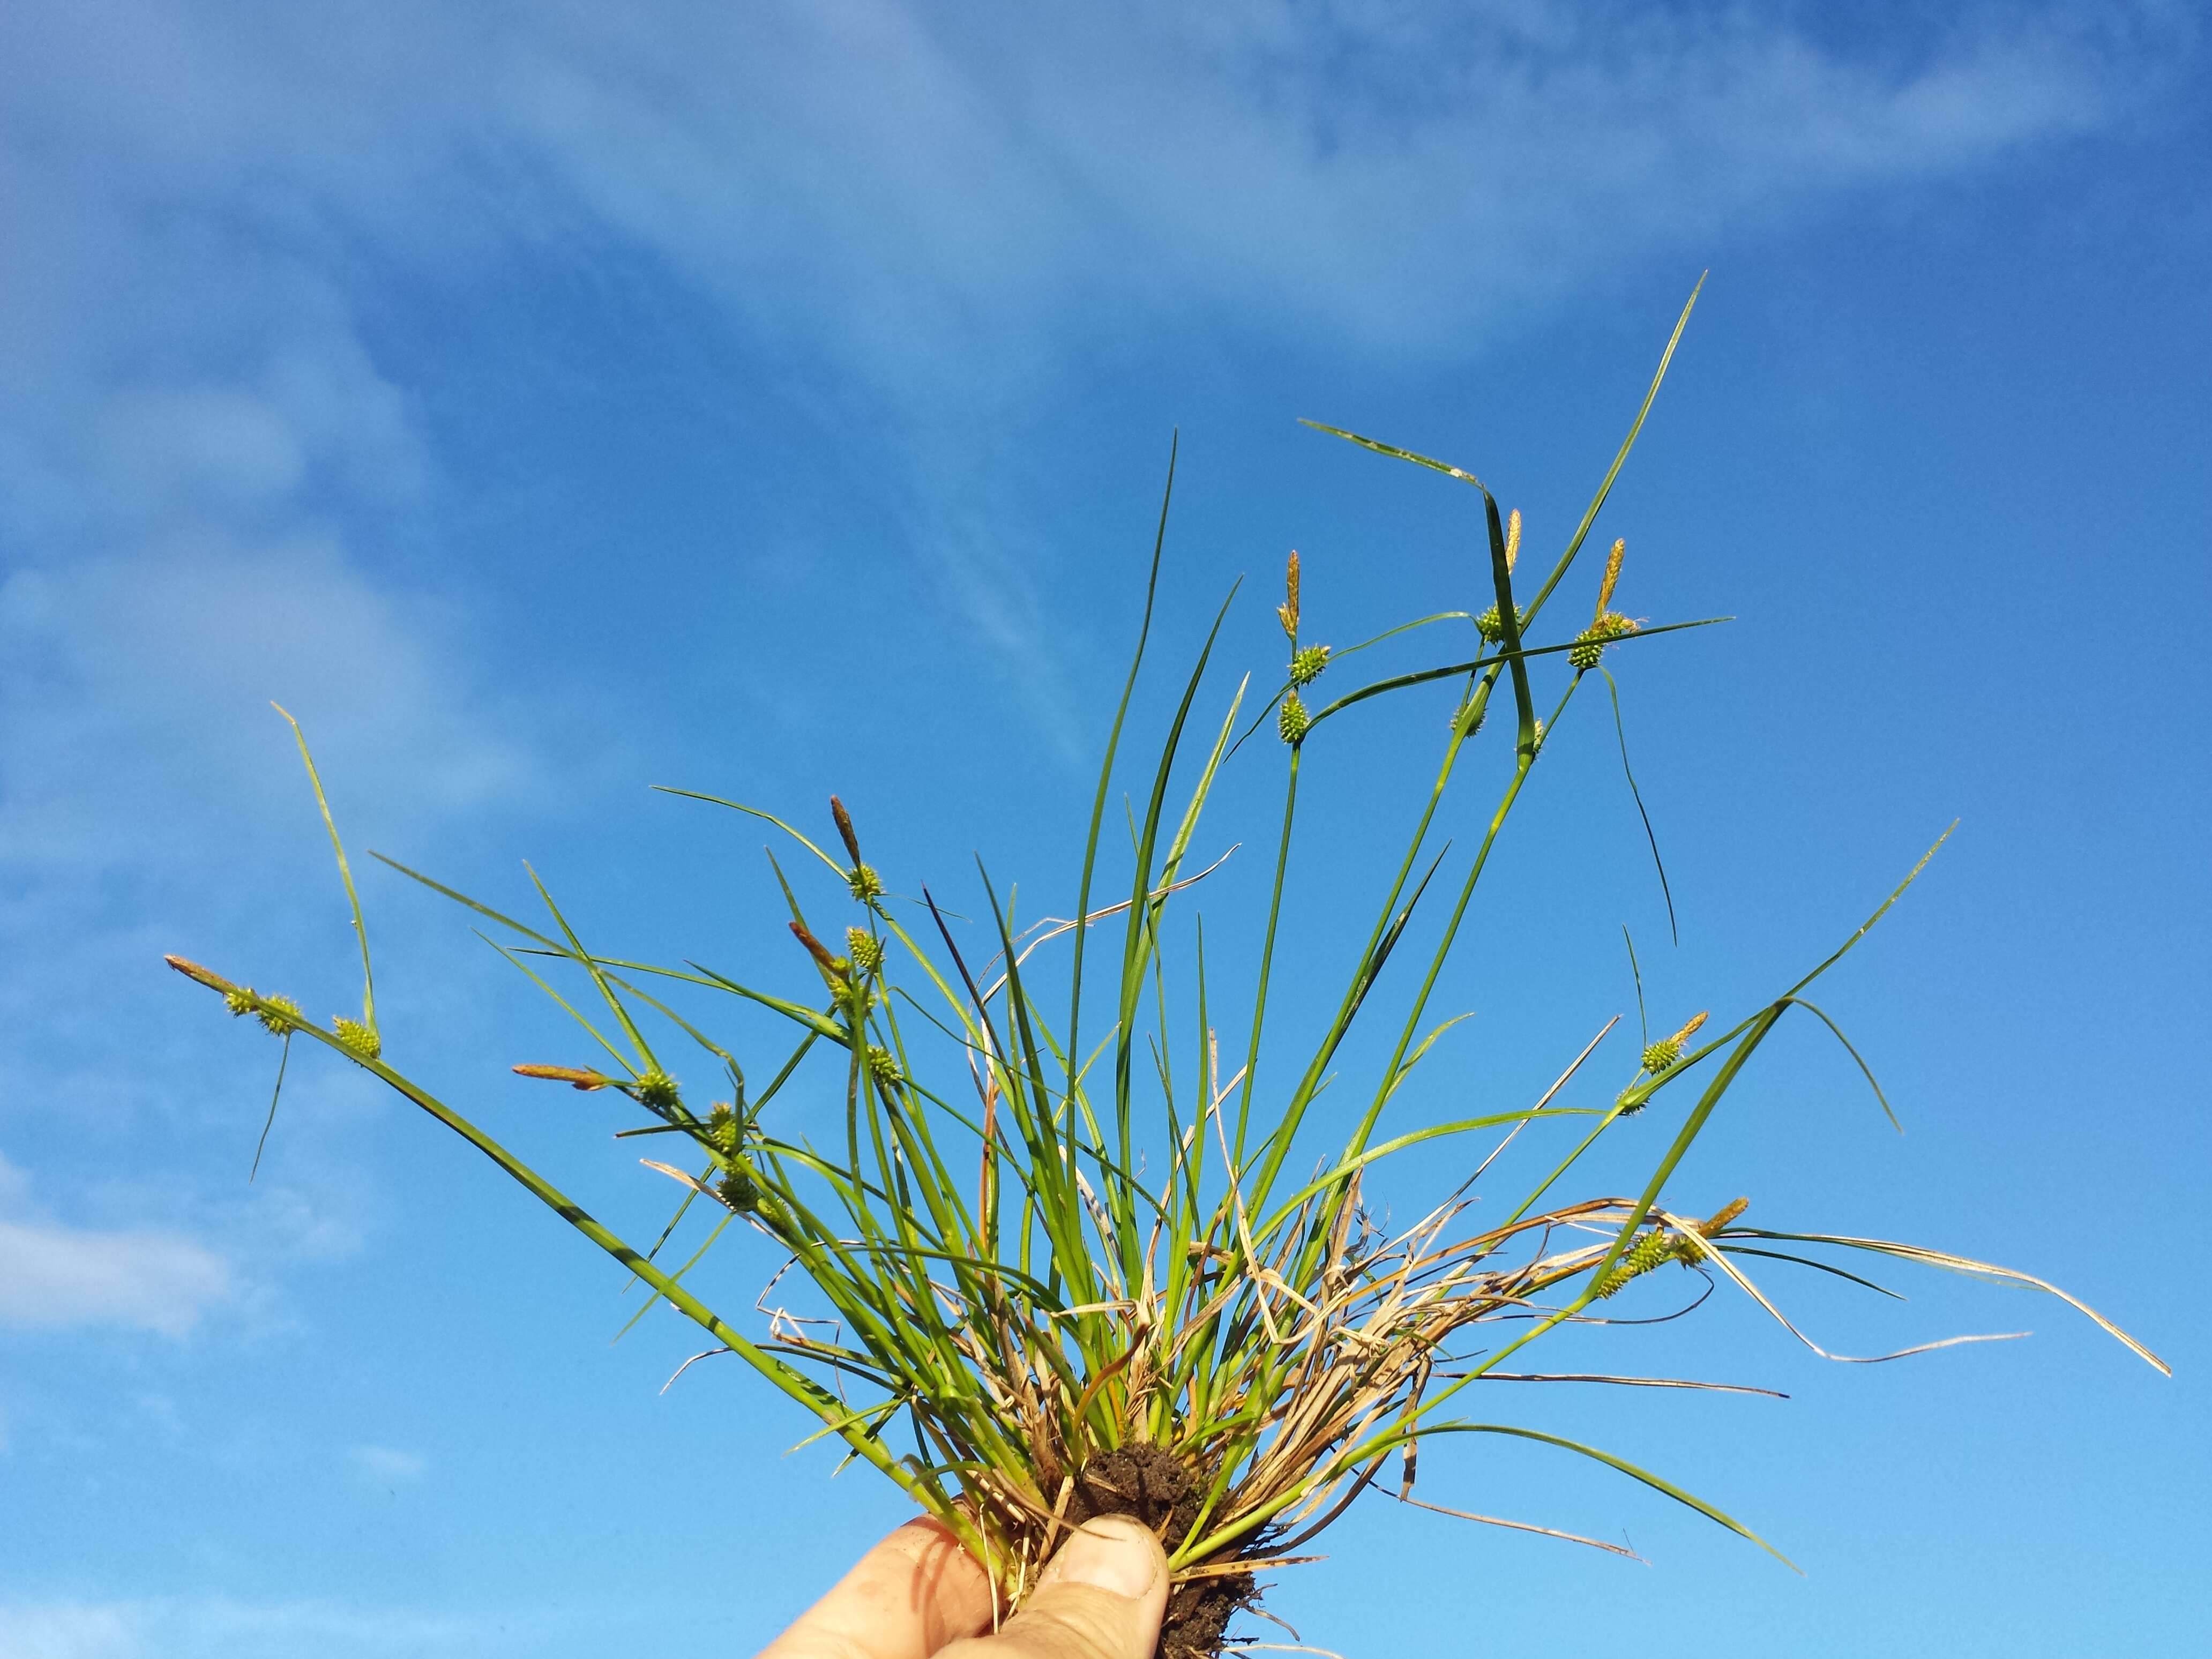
column 53, row 1276
column 219, row 1628
column 385, row 1463
column 215, row 485
column 938, row 206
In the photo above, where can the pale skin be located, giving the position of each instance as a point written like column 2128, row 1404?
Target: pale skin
column 919, row 1595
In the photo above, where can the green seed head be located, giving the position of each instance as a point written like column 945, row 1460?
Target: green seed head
column 866, row 885
column 1468, row 718
column 1491, row 626
column 739, row 1191
column 657, row 1090
column 1307, row 663
column 1293, row 721
column 1660, row 1055
column 882, row 1067
column 1585, row 655
column 279, row 1014
column 723, row 1131
column 238, row 1002
column 1628, row 1102
column 865, row 949
column 1652, row 1249
column 357, row 1037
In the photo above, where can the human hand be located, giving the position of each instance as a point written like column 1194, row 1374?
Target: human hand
column 919, row 1595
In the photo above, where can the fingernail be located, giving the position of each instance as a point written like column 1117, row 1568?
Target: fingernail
column 1113, row 1552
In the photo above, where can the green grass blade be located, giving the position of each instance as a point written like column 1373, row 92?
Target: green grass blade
column 1106, row 767
column 345, row 874
column 1667, row 892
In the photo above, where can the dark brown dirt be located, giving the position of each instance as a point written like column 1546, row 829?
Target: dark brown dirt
column 1157, row 1488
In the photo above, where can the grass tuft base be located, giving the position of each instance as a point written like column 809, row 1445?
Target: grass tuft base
column 1152, row 1485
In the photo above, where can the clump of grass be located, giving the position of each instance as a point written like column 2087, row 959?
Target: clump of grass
column 1016, row 1322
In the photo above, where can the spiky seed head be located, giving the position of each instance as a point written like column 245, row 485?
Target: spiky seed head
column 1651, row 1249
column 739, row 1191
column 1292, row 722
column 658, row 1090
column 1512, row 540
column 1661, row 1054
column 239, row 1002
column 1467, row 719
column 358, row 1038
column 723, row 1130
column 279, row 1014
column 1306, row 664
column 865, row 949
column 1591, row 642
column 1491, row 627
column 1287, row 612
column 867, row 886
column 1612, row 576
column 1629, row 1102
column 882, row 1067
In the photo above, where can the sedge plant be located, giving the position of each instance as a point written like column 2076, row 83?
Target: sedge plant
column 1049, row 1280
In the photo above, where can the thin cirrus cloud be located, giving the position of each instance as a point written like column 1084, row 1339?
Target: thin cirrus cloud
column 58, row 1277
column 217, row 1627
column 943, row 191
column 912, row 192
column 388, row 1463
column 55, row 1277
column 927, row 208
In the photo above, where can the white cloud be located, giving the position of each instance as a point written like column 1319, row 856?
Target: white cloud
column 213, row 1627
column 384, row 1463
column 55, row 1276
column 943, row 204
column 162, row 664
column 948, row 194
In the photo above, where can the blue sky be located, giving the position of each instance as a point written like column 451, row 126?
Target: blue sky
column 543, row 402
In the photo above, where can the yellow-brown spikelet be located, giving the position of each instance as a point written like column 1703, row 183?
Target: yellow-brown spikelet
column 1722, row 1216
column 845, row 829
column 865, row 884
column 199, row 976
column 1612, row 576
column 1287, row 612
column 1512, row 540
column 833, row 968
column 575, row 1077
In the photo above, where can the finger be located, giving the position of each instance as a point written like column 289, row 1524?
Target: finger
column 909, row 1596
column 1100, row 1598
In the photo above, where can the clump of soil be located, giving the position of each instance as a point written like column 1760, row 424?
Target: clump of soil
column 1155, row 1486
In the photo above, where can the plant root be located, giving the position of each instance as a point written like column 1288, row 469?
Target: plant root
column 1151, row 1484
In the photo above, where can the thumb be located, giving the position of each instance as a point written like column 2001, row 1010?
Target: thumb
column 1100, row 1598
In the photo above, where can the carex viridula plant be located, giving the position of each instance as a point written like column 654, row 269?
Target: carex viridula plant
column 1051, row 1281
